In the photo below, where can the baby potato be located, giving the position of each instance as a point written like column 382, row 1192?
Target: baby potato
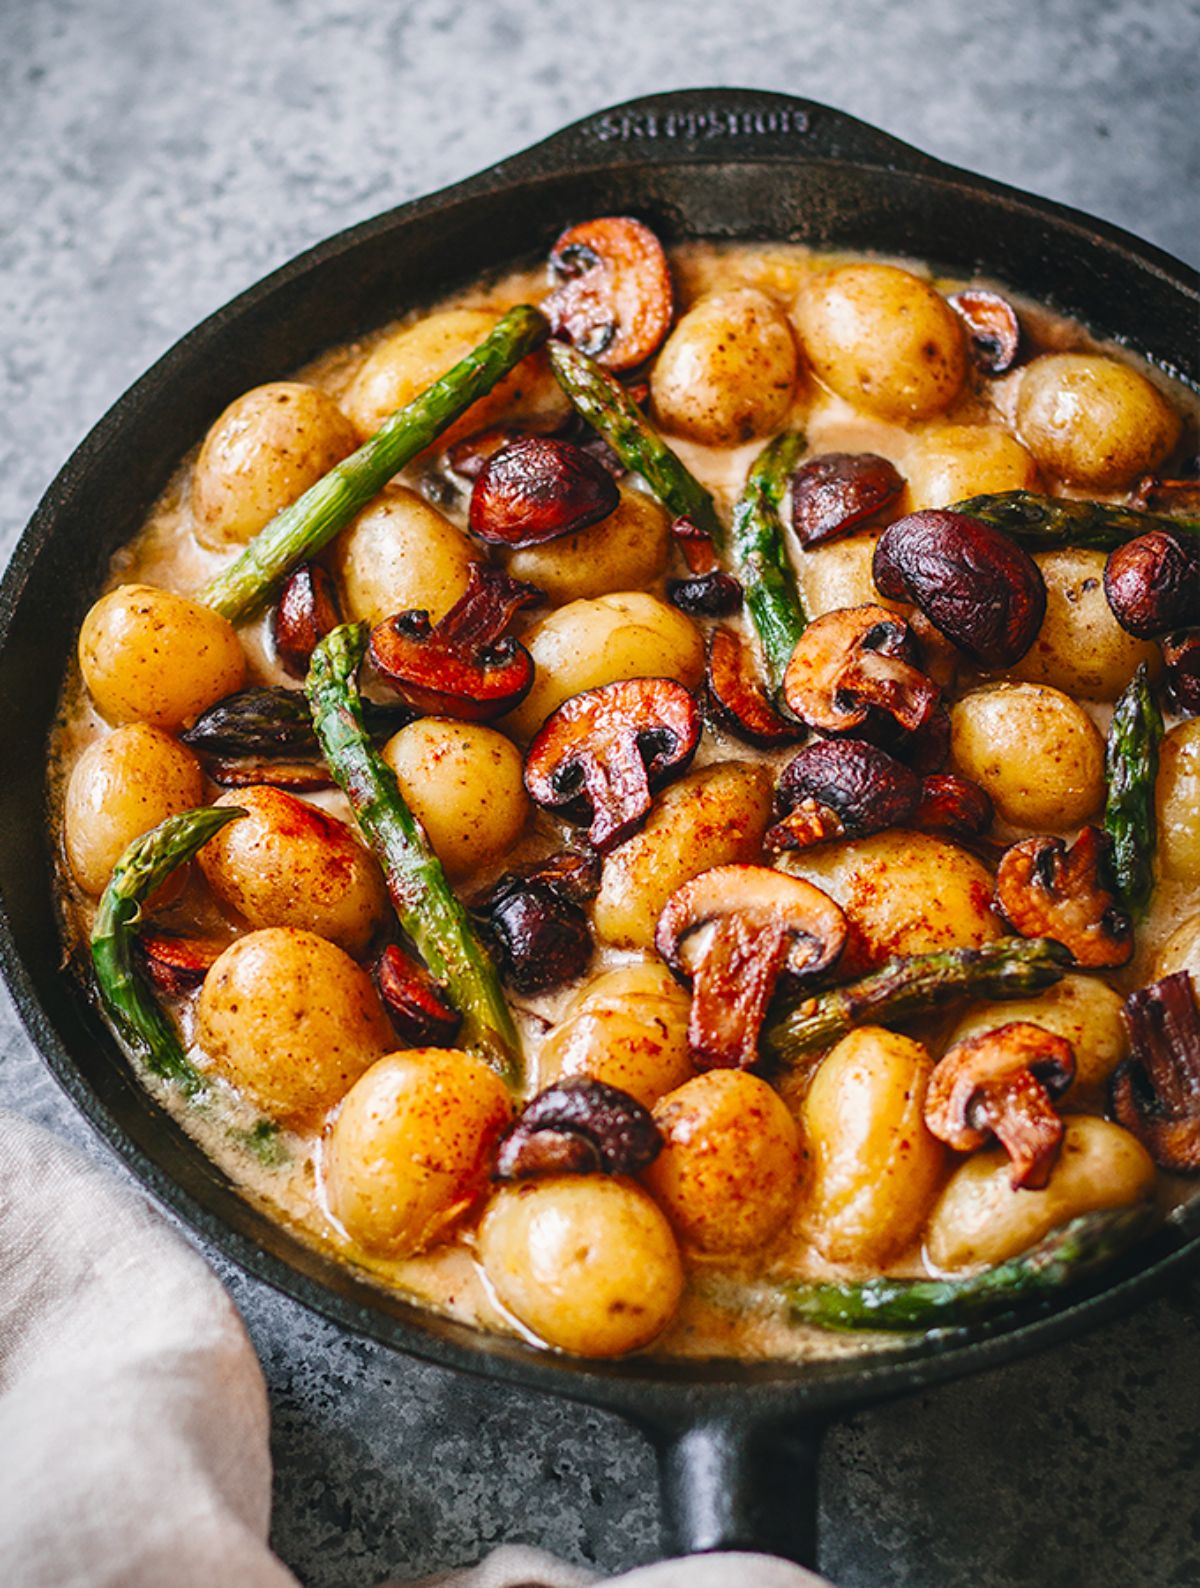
column 714, row 817
column 838, row 575
column 903, row 893
column 1080, row 647
column 400, row 553
column 979, row 1218
column 1177, row 794
column 589, row 643
column 1093, row 420
column 1181, row 951
column 1034, row 749
column 464, row 784
column 626, row 1027
column 727, row 1173
column 952, row 462
column 291, row 1021
column 120, row 788
column 412, row 358
column 874, row 1166
column 587, row 1263
column 883, row 339
column 153, row 656
column 727, row 372
column 264, row 451
column 286, row 863
column 1084, row 1010
column 409, row 1150
column 622, row 552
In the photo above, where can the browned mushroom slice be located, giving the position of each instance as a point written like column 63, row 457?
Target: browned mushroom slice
column 706, row 595
column 992, row 326
column 1181, row 659
column 420, row 1010
column 1003, row 1083
column 466, row 666
column 1156, row 1092
column 841, row 788
column 307, row 611
column 539, row 932
column 953, row 804
column 1153, row 583
column 857, row 666
column 1157, row 495
column 175, row 963
column 1045, row 890
column 539, row 489
column 597, row 758
column 615, row 301
column 579, row 1126
column 736, row 933
column 839, row 491
column 695, row 543
column 299, row 776
column 736, row 696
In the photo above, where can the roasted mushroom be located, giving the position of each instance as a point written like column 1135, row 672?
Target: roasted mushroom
column 540, row 935
column 468, row 456
column 578, row 1126
column 854, row 671
column 615, row 299
column 1044, row 890
column 1181, row 659
column 303, row 777
column 971, row 581
column 1156, row 1092
column 274, row 722
column 538, row 489
column 993, row 330
column 1156, row 495
column 307, row 610
column 420, row 1011
column 177, row 964
column 466, row 666
column 598, row 757
column 839, row 491
column 736, row 933
column 736, row 696
column 953, row 804
column 841, row 788
column 1003, row 1083
column 1153, row 583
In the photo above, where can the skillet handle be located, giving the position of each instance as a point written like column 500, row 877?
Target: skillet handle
column 731, row 1486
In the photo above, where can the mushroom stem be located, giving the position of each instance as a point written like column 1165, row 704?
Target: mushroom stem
column 731, row 992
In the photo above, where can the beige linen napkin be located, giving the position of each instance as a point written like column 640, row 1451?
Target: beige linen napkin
column 133, row 1415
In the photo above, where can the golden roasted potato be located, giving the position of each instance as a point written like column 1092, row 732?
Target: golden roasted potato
column 951, row 462
column 624, row 551
column 626, row 1027
column 838, row 575
column 1181, row 951
column 1093, row 420
column 153, row 656
column 1034, row 749
column 1081, row 648
column 409, row 1150
column 263, row 453
column 1177, row 794
column 400, row 553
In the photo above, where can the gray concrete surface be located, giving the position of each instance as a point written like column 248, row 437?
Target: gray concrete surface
column 156, row 157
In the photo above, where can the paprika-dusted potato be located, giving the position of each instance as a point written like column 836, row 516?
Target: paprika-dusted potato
column 1080, row 647
column 1181, row 951
column 287, row 863
column 952, row 462
column 410, row 1148
column 588, row 643
column 153, row 656
column 1177, row 795
column 1035, row 750
column 264, row 451
column 727, row 1173
column 121, row 787
column 621, row 552
column 883, row 339
column 587, row 1263
column 727, row 372
column 626, row 1027
column 291, row 1021
column 1093, row 420
column 979, row 1218
column 409, row 360
column 463, row 782
column 903, row 893
column 400, row 553
column 873, row 1167
column 714, row 817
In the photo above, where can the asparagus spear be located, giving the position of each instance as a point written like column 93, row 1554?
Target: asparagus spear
column 762, row 565
column 145, row 866
column 914, row 985
column 1044, row 521
column 612, row 412
column 424, row 901
column 1131, row 763
column 1067, row 1255
column 300, row 531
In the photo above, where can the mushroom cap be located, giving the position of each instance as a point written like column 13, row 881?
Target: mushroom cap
column 1045, row 890
column 736, row 696
column 537, row 489
column 854, row 662
column 1156, row 1093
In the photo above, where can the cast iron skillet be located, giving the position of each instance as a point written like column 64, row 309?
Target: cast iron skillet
column 738, row 1441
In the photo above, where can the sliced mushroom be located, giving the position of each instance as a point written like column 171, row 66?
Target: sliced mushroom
column 1044, row 890
column 855, row 669
column 299, row 776
column 695, row 543
column 615, row 300
column 579, row 1126
column 1003, row 1083
column 841, row 788
column 736, row 933
column 597, row 758
column 953, row 804
column 706, row 595
column 274, row 722
column 1157, row 495
column 736, row 696
column 541, row 936
column 538, row 489
column 838, row 491
column 466, row 666
column 992, row 326
column 421, row 1013
column 1153, row 583
column 1156, row 1092
column 306, row 612
column 176, row 964
column 1181, row 659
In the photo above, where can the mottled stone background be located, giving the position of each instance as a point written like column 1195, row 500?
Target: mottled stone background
column 155, row 158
